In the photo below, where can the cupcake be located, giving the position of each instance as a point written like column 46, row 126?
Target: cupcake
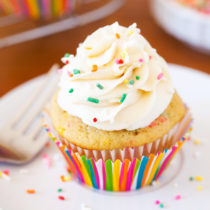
column 186, row 20
column 116, row 116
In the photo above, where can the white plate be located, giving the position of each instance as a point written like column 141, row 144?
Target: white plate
column 193, row 160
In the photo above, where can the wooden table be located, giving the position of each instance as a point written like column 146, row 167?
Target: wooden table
column 22, row 62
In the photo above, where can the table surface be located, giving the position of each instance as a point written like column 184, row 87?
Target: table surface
column 24, row 61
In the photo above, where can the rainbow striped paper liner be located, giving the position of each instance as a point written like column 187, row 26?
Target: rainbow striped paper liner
column 126, row 169
column 37, row 9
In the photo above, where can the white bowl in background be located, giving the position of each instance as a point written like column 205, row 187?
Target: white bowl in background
column 186, row 24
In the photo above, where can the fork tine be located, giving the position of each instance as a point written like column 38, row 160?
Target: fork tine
column 35, row 109
column 34, row 95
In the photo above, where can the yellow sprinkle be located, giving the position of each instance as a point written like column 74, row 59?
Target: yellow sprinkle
column 50, row 135
column 45, row 125
column 0, row 174
column 123, row 55
column 130, row 32
column 125, row 81
column 190, row 129
column 199, row 188
column 197, row 142
column 199, row 178
column 66, row 115
column 106, row 142
column 88, row 48
column 67, row 178
column 60, row 130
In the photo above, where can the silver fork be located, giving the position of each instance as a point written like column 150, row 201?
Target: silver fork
column 22, row 137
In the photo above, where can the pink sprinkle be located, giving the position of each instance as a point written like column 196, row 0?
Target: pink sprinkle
column 177, row 197
column 153, row 124
column 48, row 160
column 150, row 57
column 163, row 119
column 157, row 202
column 6, row 171
column 119, row 61
column 141, row 60
column 159, row 77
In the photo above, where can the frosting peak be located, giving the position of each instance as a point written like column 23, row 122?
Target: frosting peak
column 116, row 80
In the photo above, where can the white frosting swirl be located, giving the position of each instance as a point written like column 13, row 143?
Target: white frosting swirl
column 112, row 62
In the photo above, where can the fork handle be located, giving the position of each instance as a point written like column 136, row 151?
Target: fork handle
column 6, row 153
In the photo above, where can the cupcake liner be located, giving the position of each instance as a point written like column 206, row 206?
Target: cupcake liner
column 126, row 169
column 186, row 24
column 36, row 9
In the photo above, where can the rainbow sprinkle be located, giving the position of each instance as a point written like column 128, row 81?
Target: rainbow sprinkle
column 197, row 142
column 117, row 36
column 161, row 205
column 93, row 100
column 119, row 61
column 95, row 119
column 125, row 81
column 60, row 197
column 66, row 55
column 94, row 68
column 198, row 178
column 98, row 85
column 76, row 71
column 177, row 197
column 71, row 90
column 131, row 82
column 199, row 188
column 160, row 76
column 6, row 171
column 123, row 98
column 191, row 178
column 137, row 77
column 31, row 191
column 130, row 32
column 157, row 202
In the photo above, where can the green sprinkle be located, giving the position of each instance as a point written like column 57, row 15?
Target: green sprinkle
column 93, row 100
column 161, row 205
column 191, row 178
column 66, row 55
column 71, row 90
column 123, row 97
column 59, row 190
column 131, row 82
column 76, row 71
column 99, row 86
column 137, row 77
